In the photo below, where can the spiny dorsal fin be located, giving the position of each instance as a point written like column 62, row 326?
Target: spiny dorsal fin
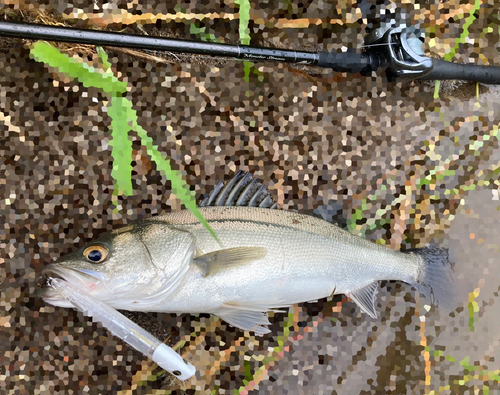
column 241, row 190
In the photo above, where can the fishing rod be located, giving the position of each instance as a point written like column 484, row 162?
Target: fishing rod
column 394, row 49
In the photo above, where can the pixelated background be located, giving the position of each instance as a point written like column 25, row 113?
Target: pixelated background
column 393, row 162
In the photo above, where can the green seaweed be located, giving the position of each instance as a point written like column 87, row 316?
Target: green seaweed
column 469, row 373
column 458, row 41
column 244, row 20
column 179, row 186
column 272, row 357
column 121, row 147
column 433, row 175
column 103, row 58
column 437, row 85
column 465, row 31
column 87, row 75
column 473, row 308
column 202, row 33
column 244, row 33
column 123, row 120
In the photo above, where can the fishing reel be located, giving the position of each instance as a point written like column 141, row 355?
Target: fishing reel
column 402, row 52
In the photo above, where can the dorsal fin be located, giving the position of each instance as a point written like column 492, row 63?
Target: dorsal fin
column 241, row 190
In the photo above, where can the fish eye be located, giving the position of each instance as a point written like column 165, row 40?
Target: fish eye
column 96, row 253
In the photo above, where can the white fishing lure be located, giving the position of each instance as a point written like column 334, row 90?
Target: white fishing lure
column 125, row 329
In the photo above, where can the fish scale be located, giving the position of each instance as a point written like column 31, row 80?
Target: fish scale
column 307, row 259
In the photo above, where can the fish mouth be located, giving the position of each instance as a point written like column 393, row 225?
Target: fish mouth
column 86, row 280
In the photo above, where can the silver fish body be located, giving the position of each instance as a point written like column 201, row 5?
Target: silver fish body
column 307, row 259
column 264, row 259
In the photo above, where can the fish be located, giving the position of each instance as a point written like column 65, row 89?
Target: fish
column 264, row 259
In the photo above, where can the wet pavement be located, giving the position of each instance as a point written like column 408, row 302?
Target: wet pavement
column 387, row 160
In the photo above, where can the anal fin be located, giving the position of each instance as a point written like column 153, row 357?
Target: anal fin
column 365, row 298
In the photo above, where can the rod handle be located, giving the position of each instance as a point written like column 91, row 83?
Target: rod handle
column 443, row 70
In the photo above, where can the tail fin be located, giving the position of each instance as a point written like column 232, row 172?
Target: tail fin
column 435, row 279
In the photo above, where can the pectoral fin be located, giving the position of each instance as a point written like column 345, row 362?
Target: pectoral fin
column 218, row 260
column 249, row 316
column 365, row 298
